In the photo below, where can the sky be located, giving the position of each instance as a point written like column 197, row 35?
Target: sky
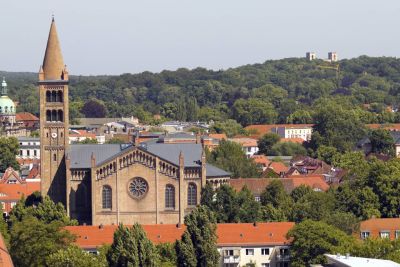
column 130, row 36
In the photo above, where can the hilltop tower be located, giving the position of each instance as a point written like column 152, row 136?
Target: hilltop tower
column 53, row 94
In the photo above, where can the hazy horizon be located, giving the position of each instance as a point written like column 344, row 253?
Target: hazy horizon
column 112, row 38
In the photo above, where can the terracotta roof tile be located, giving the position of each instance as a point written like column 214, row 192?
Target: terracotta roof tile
column 293, row 140
column 273, row 233
column 25, row 116
column 218, row 136
column 278, row 167
column 261, row 159
column 387, row 126
column 376, row 225
column 14, row 192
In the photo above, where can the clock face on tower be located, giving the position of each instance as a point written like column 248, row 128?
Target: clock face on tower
column 54, row 135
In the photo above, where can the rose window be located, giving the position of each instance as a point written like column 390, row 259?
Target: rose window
column 138, row 187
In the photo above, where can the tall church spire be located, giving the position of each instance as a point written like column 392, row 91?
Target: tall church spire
column 53, row 64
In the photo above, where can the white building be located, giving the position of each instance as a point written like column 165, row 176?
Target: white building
column 349, row 261
column 333, row 57
column 302, row 131
column 311, row 56
column 249, row 145
column 29, row 148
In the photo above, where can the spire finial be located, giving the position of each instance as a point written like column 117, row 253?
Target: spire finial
column 52, row 17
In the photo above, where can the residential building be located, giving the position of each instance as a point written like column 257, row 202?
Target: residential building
column 262, row 161
column 380, row 228
column 249, row 145
column 258, row 185
column 333, row 57
column 239, row 244
column 29, row 148
column 310, row 56
column 302, row 131
column 29, row 121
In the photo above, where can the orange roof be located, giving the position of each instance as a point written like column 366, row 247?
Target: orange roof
column 261, row 159
column 218, row 136
column 5, row 258
column 14, row 192
column 387, row 126
column 376, row 225
column 258, row 185
column 293, row 140
column 262, row 129
column 22, row 161
column 272, row 233
column 82, row 133
column 25, row 116
column 245, row 142
column 278, row 167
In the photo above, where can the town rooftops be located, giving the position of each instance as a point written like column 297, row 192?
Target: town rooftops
column 229, row 234
column 377, row 225
column 14, row 192
column 262, row 129
column 25, row 116
column 258, row 185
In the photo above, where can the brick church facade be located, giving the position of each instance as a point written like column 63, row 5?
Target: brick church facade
column 103, row 184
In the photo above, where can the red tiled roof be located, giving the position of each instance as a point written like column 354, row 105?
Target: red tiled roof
column 27, row 161
column 388, row 126
column 293, row 140
column 33, row 173
column 261, row 159
column 278, row 167
column 5, row 258
column 14, row 192
column 245, row 142
column 218, row 136
column 262, row 129
column 258, row 185
column 273, row 233
column 25, row 116
column 376, row 225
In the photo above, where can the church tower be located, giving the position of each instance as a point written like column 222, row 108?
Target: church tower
column 54, row 122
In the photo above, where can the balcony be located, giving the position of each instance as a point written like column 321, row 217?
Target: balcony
column 283, row 257
column 231, row 259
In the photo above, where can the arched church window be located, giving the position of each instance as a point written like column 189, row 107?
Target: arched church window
column 53, row 115
column 48, row 96
column 54, row 157
column 107, row 197
column 60, row 116
column 48, row 115
column 170, row 197
column 192, row 194
column 138, row 187
column 59, row 96
column 53, row 96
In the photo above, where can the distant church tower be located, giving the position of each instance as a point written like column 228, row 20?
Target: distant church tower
column 54, row 122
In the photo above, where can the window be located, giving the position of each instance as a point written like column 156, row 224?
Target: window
column 228, row 252
column 384, row 234
column 265, row 251
column 13, row 204
column 54, row 157
column 28, row 153
column 20, row 152
column 250, row 251
column 257, row 198
column 192, row 194
column 397, row 234
column 35, row 152
column 364, row 235
column 170, row 197
column 106, row 197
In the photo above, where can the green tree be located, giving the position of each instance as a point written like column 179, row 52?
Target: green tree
column 226, row 207
column 254, row 111
column 185, row 251
column 266, row 142
column 207, row 196
column 167, row 254
column 326, row 153
column 229, row 127
column 44, row 209
column 276, row 195
column 74, row 256
column 230, row 157
column 9, row 149
column 131, row 247
column 379, row 248
column 315, row 206
column 287, row 149
column 300, row 191
column 311, row 240
column 382, row 142
column 86, row 141
column 249, row 208
column 94, row 108
column 198, row 246
column 32, row 241
column 115, row 140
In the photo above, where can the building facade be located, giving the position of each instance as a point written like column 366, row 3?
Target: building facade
column 112, row 183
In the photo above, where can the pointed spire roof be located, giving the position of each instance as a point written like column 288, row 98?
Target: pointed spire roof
column 53, row 64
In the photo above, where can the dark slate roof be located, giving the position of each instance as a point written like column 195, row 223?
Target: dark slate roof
column 80, row 155
column 170, row 152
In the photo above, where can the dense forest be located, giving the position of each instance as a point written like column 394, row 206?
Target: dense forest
column 277, row 91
